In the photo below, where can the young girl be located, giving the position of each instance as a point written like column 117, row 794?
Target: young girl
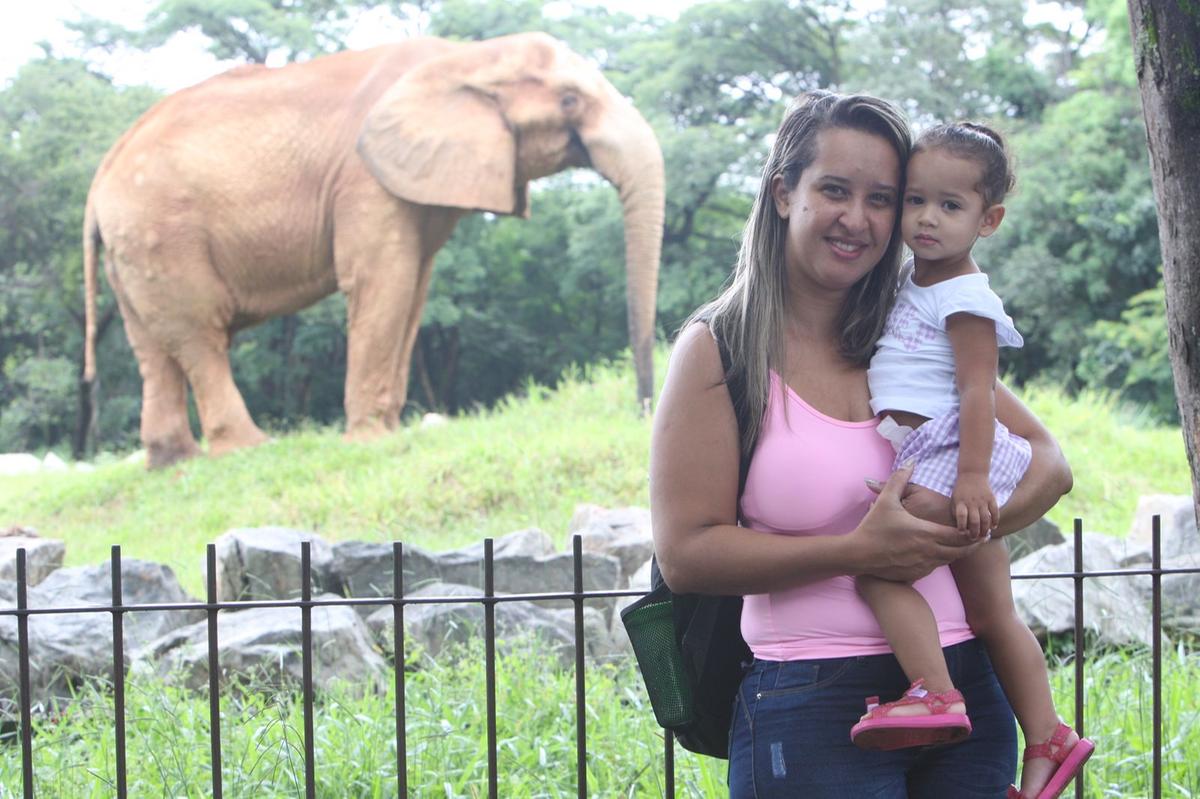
column 934, row 376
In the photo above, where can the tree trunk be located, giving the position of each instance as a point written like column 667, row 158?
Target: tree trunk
column 1166, row 37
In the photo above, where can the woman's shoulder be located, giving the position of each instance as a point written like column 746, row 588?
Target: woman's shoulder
column 696, row 355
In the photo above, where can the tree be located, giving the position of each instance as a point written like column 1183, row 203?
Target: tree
column 1166, row 37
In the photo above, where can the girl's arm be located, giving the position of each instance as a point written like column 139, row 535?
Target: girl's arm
column 1046, row 480
column 973, row 339
column 693, row 499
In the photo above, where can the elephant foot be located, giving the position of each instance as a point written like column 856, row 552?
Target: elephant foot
column 369, row 429
column 160, row 454
column 221, row 444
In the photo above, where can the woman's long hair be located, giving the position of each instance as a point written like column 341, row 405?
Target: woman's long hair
column 749, row 314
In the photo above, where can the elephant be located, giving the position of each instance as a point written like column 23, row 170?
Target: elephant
column 259, row 191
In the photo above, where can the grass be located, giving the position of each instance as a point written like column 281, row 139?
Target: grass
column 526, row 463
column 262, row 736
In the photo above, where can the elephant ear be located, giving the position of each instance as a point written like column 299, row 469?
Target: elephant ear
column 434, row 139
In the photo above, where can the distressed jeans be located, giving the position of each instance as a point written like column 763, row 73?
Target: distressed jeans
column 791, row 733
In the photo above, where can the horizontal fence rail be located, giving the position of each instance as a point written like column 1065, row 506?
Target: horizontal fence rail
column 489, row 599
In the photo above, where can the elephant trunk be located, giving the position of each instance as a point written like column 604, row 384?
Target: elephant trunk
column 632, row 161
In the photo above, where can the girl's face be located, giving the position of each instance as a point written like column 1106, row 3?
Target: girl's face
column 943, row 209
column 841, row 213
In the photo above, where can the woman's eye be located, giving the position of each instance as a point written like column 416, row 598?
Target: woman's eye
column 834, row 190
column 881, row 200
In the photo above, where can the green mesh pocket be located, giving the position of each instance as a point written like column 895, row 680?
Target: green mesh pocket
column 651, row 630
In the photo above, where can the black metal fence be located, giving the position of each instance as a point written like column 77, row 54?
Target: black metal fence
column 398, row 601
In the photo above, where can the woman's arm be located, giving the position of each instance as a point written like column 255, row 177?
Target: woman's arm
column 1046, row 480
column 693, row 498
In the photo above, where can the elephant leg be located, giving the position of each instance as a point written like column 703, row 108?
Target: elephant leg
column 384, row 253
column 166, row 433
column 223, row 416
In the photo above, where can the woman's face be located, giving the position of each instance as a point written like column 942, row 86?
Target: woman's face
column 841, row 214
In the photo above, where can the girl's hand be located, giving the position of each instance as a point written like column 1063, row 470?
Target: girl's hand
column 895, row 545
column 975, row 510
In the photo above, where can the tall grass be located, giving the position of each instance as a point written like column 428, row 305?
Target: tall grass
column 262, row 736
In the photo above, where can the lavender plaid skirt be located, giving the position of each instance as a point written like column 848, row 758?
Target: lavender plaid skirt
column 934, row 447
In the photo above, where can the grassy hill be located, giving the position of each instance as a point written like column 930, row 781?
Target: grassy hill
column 526, row 463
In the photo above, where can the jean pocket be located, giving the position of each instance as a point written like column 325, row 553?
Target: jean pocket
column 800, row 676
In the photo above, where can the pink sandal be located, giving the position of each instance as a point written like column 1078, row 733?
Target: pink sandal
column 885, row 732
column 1070, row 761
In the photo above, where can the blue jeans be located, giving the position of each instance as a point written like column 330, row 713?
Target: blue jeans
column 791, row 733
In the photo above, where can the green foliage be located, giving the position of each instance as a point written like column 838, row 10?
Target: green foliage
column 57, row 119
column 1131, row 356
column 262, row 733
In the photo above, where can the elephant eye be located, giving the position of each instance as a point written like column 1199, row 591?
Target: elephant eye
column 569, row 101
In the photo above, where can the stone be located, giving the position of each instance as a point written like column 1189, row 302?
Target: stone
column 623, row 533
column 264, row 644
column 14, row 463
column 434, row 627
column 1181, row 595
column 366, row 570
column 433, row 420
column 42, row 556
column 53, row 463
column 264, row 563
column 1042, row 533
column 1113, row 606
column 66, row 649
column 1178, row 524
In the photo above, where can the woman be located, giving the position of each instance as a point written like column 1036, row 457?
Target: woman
column 815, row 279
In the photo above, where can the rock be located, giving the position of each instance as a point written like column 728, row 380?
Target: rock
column 1042, row 533
column 1179, row 535
column 53, row 463
column 623, row 533
column 142, row 583
column 433, row 420
column 138, row 456
column 42, row 556
column 1181, row 595
column 1113, row 606
column 14, row 463
column 366, row 570
column 84, row 466
column 434, row 627
column 69, row 648
column 265, row 644
column 264, row 563
column 530, row 542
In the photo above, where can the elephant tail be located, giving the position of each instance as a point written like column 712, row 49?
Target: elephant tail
column 91, row 244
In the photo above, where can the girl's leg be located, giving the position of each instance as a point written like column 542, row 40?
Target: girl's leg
column 982, row 766
column 986, row 590
column 911, row 631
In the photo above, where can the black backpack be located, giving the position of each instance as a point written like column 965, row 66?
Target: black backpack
column 689, row 647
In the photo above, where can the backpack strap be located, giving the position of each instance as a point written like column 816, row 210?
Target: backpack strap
column 736, row 383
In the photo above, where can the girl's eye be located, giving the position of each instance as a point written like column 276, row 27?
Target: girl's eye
column 950, row 205
column 913, row 200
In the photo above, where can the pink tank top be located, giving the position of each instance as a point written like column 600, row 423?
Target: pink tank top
column 806, row 478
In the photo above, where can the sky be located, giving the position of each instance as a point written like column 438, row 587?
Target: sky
column 182, row 61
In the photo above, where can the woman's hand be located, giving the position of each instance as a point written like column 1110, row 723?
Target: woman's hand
column 894, row 544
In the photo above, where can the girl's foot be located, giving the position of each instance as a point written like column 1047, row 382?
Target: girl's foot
column 1049, row 767
column 919, row 718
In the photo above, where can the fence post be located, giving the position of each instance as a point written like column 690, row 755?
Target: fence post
column 580, row 695
column 1079, row 642
column 118, row 619
column 1156, row 644
column 23, row 677
column 489, row 642
column 310, row 788
column 214, row 677
column 398, row 661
